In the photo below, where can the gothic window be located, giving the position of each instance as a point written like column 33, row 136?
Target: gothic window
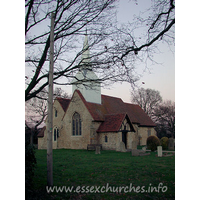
column 58, row 133
column 56, row 113
column 76, row 124
column 106, row 138
column 55, row 133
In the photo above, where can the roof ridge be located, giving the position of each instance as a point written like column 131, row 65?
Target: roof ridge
column 111, row 96
column 64, row 103
column 63, row 98
column 85, row 102
column 142, row 117
column 131, row 104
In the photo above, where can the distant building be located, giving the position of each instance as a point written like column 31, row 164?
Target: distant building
column 91, row 118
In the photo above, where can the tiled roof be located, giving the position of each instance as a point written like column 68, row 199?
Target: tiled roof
column 109, row 106
column 112, row 105
column 137, row 115
column 112, row 123
column 63, row 102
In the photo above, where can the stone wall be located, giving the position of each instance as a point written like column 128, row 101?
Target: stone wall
column 130, row 138
column 114, row 139
column 81, row 141
column 94, row 136
column 42, row 142
column 143, row 131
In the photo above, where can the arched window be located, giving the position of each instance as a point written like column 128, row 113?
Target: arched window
column 56, row 113
column 106, row 138
column 55, row 133
column 76, row 124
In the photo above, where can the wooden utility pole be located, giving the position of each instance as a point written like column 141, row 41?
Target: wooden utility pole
column 50, row 109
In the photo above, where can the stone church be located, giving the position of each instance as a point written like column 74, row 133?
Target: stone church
column 90, row 118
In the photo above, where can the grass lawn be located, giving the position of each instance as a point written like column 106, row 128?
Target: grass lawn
column 85, row 168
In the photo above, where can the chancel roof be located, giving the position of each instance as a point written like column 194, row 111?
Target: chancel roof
column 115, row 106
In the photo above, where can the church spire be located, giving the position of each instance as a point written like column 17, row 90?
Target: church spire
column 86, row 54
column 86, row 81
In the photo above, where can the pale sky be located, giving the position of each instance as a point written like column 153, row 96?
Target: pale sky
column 160, row 77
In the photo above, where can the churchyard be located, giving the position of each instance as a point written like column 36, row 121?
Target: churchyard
column 84, row 169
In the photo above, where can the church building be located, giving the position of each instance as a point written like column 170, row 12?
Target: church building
column 90, row 118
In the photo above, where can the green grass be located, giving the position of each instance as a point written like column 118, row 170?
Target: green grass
column 85, row 168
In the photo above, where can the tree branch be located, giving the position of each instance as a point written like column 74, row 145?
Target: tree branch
column 136, row 50
column 27, row 15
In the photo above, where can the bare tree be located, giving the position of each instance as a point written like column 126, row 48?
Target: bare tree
column 71, row 20
column 58, row 92
column 113, row 49
column 147, row 99
column 157, row 24
column 165, row 118
column 36, row 108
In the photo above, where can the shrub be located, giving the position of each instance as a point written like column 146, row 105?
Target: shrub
column 164, row 142
column 153, row 142
column 30, row 164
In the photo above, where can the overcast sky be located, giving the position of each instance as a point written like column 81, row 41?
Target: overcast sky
column 161, row 76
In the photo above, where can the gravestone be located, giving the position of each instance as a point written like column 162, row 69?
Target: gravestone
column 122, row 147
column 159, row 151
column 144, row 149
column 134, row 144
column 135, row 152
column 98, row 150
column 171, row 144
